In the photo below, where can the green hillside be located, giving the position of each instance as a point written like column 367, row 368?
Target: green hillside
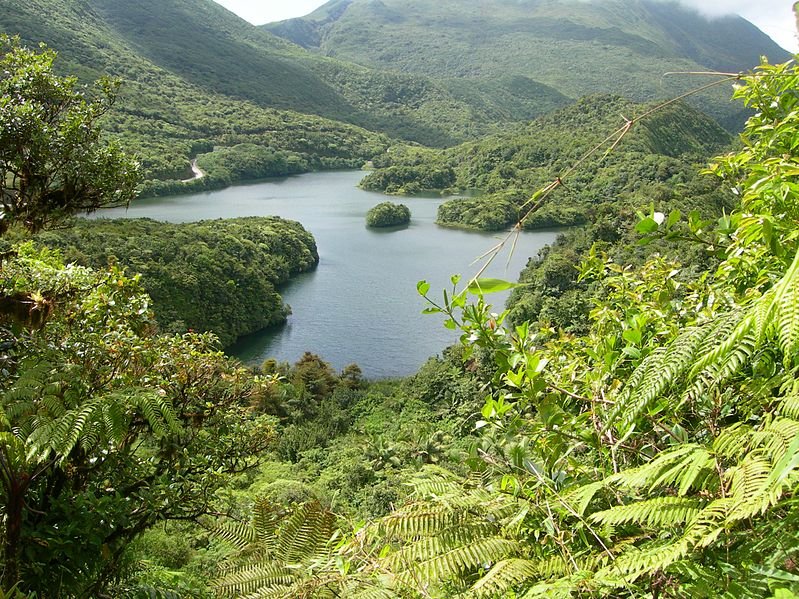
column 209, row 46
column 613, row 46
column 198, row 79
column 218, row 276
column 176, row 50
column 652, row 162
column 165, row 118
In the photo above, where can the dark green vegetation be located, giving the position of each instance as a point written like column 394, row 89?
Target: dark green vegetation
column 645, row 444
column 197, row 80
column 388, row 214
column 217, row 276
column 52, row 161
column 612, row 46
column 655, row 163
column 167, row 119
column 106, row 428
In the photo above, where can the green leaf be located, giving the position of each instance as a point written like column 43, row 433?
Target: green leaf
column 485, row 286
column 647, row 225
column 633, row 336
column 422, row 287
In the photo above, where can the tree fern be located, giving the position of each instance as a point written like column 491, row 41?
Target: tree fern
column 288, row 555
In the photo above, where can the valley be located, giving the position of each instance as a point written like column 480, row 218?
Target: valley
column 571, row 373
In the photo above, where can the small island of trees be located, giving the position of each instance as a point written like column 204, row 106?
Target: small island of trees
column 388, row 214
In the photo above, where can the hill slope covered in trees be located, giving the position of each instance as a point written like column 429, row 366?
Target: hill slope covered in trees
column 608, row 46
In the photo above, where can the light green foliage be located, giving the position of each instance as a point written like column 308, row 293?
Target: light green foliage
column 388, row 214
column 53, row 162
column 290, row 554
column 656, row 451
column 218, row 276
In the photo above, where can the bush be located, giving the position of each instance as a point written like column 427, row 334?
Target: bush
column 388, row 214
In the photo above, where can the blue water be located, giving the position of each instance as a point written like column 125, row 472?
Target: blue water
column 360, row 305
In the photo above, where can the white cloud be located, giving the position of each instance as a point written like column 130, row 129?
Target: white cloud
column 773, row 17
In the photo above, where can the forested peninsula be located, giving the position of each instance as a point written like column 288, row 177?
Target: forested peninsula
column 219, row 276
column 627, row 426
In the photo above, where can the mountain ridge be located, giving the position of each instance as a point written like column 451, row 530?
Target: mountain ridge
column 602, row 46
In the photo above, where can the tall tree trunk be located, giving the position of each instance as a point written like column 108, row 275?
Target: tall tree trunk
column 15, row 505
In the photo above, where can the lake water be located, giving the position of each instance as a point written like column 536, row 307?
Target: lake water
column 360, row 305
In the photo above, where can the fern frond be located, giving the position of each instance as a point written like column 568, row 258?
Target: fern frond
column 371, row 592
column 652, row 473
column 789, row 407
column 562, row 588
column 429, row 547
column 458, row 561
column 660, row 370
column 420, row 519
column 254, row 578
column 284, row 556
column 635, row 562
column 733, row 441
column 718, row 372
column 239, row 534
column 580, row 497
column 657, row 512
column 504, row 576
column 305, row 533
column 265, row 521
column 786, row 307
column 725, row 340
column 158, row 412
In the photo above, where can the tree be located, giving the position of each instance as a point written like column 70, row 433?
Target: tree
column 107, row 428
column 388, row 214
column 657, row 454
column 54, row 161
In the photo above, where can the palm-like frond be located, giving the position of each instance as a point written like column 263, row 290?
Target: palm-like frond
column 285, row 555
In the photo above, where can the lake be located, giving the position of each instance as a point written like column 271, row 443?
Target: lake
column 360, row 304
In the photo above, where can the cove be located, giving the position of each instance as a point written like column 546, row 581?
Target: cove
column 360, row 305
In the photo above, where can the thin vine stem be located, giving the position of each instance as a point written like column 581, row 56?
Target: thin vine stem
column 611, row 142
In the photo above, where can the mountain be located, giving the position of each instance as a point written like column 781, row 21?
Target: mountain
column 215, row 51
column 201, row 82
column 164, row 116
column 576, row 47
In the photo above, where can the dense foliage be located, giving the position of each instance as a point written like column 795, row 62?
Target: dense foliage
column 166, row 119
column 219, row 276
column 105, row 428
column 52, row 160
column 630, row 431
column 388, row 214
column 653, row 453
column 553, row 291
column 656, row 164
column 607, row 46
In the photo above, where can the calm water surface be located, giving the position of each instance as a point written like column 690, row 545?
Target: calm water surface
column 360, row 305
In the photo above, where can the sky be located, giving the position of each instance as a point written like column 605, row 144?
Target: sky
column 774, row 17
